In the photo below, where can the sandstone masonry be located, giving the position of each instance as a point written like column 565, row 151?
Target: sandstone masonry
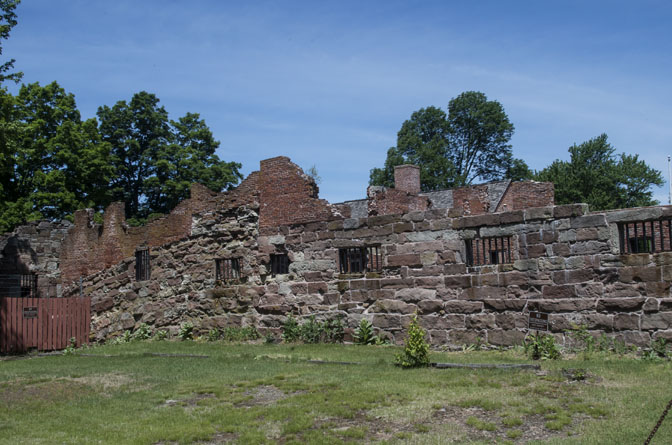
column 562, row 260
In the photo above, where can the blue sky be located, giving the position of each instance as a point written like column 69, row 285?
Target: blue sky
column 330, row 83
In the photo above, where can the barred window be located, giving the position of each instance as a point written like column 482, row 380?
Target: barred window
column 279, row 263
column 491, row 250
column 142, row 268
column 227, row 269
column 360, row 259
column 645, row 236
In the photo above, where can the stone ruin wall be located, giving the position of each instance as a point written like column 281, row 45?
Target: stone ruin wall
column 35, row 248
column 565, row 262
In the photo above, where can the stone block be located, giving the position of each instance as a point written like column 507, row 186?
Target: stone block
column 561, row 249
column 620, row 304
column 658, row 320
column 415, row 295
column 664, row 304
column 465, row 336
column 454, row 269
column 505, row 304
column 488, row 279
column 559, row 291
column 458, row 281
column 101, row 304
column 428, row 282
column 480, row 321
column 538, row 213
column 513, row 217
column 639, row 274
column 595, row 220
column 572, row 276
column 404, row 260
column 483, row 292
column 506, row 337
column 623, row 322
column 652, row 305
column 566, row 211
column 394, row 307
column 430, row 306
column 658, row 289
column 636, row 338
column 561, row 305
column 462, row 307
column 487, row 219
column 387, row 321
column 511, row 321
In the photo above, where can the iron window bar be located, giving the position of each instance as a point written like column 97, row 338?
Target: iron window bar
column 488, row 251
column 645, row 236
column 142, row 267
column 279, row 264
column 360, row 259
column 18, row 285
column 227, row 269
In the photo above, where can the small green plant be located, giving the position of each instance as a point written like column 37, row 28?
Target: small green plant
column 236, row 333
column 71, row 348
column 334, row 330
column 186, row 331
column 144, row 332
column 542, row 347
column 364, row 333
column 311, row 331
column 214, row 334
column 290, row 330
column 269, row 339
column 416, row 349
column 582, row 340
column 657, row 350
column 126, row 337
column 160, row 335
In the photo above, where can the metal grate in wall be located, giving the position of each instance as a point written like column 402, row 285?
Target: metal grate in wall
column 227, row 269
column 142, row 266
column 490, row 250
column 645, row 236
column 360, row 259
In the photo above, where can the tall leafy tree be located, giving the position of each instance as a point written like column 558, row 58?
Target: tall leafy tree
column 156, row 159
column 54, row 163
column 7, row 22
column 470, row 142
column 597, row 176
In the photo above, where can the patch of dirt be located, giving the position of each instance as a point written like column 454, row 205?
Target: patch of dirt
column 106, row 381
column 58, row 389
column 533, row 427
column 262, row 395
column 190, row 401
column 220, row 438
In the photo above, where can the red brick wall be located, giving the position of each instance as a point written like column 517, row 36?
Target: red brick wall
column 384, row 201
column 472, row 200
column 407, row 178
column 527, row 194
column 288, row 196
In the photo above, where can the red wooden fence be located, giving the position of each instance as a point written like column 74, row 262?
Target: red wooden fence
column 44, row 324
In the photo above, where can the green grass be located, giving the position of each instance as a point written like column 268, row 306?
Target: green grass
column 271, row 393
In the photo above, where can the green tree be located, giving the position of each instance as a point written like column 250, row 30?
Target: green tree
column 595, row 175
column 7, row 22
column 53, row 162
column 452, row 150
column 155, row 159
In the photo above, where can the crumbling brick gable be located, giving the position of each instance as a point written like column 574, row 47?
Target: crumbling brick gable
column 288, row 196
column 388, row 201
column 527, row 194
column 472, row 200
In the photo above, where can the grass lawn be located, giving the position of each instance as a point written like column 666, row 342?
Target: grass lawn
column 244, row 393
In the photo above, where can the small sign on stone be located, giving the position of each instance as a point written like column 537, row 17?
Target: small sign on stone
column 30, row 312
column 538, row 321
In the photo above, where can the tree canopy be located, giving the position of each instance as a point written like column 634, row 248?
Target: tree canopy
column 470, row 142
column 156, row 159
column 595, row 175
column 7, row 22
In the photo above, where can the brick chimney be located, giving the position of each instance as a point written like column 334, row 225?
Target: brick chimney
column 407, row 178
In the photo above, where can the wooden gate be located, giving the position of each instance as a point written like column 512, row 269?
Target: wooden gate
column 45, row 324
